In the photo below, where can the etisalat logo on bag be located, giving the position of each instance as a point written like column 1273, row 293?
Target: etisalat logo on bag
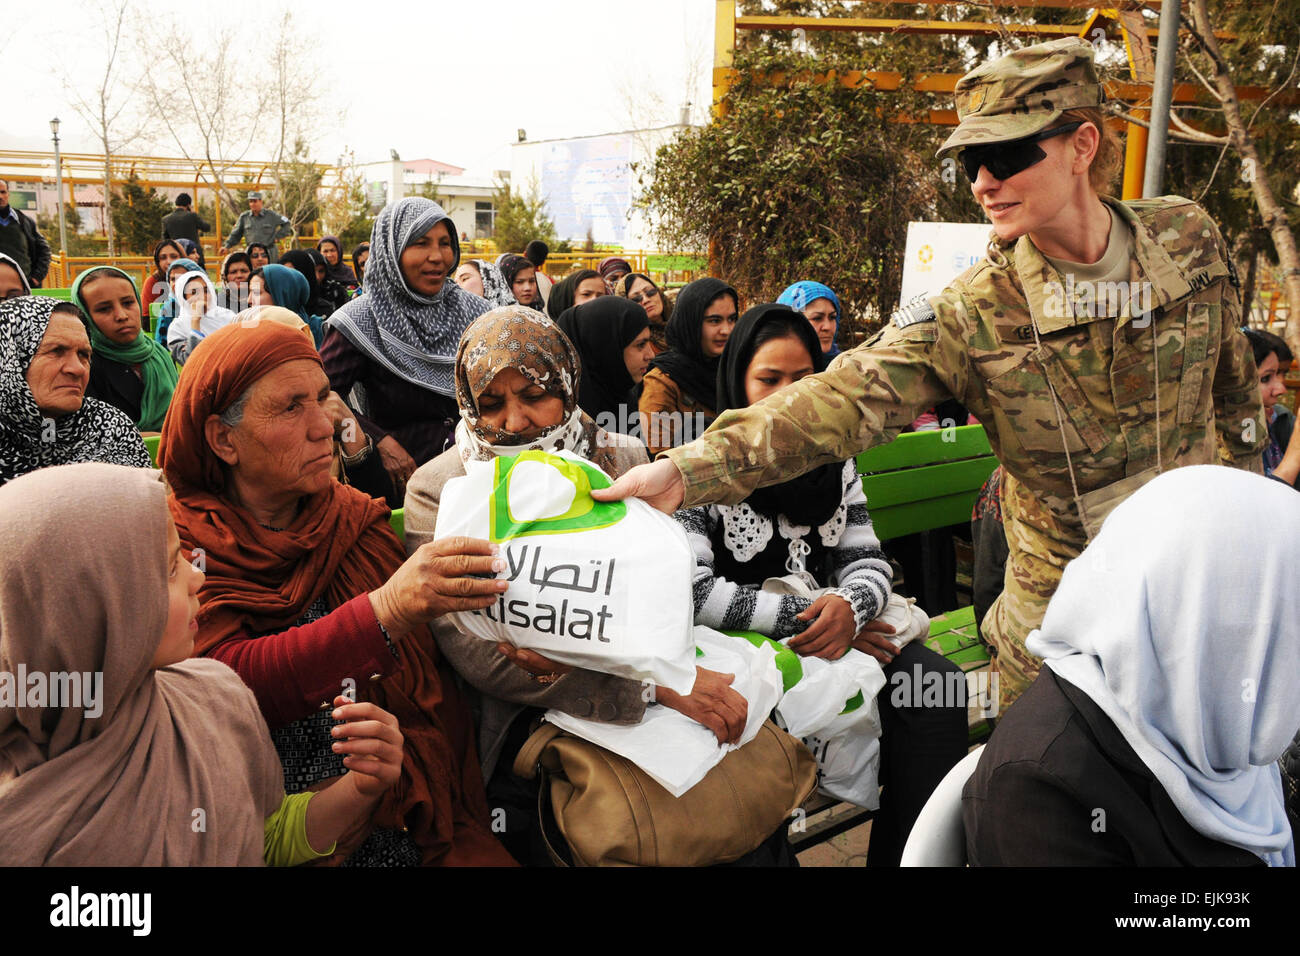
column 536, row 494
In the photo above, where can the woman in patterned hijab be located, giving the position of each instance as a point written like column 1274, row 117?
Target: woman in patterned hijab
column 520, row 338
column 411, row 334
column 486, row 281
column 45, row 418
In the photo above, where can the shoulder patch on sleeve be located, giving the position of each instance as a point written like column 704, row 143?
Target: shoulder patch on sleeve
column 917, row 310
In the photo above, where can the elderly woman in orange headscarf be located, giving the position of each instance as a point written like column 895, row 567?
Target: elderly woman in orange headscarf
column 308, row 591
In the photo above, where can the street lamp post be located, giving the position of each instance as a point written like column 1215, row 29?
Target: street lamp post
column 58, row 179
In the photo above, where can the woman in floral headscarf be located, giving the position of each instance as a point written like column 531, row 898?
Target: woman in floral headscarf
column 517, row 380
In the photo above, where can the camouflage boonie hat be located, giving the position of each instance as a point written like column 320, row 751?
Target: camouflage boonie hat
column 1024, row 92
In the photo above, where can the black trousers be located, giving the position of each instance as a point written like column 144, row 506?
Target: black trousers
column 923, row 734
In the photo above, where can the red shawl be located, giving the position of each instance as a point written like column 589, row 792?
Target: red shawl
column 340, row 545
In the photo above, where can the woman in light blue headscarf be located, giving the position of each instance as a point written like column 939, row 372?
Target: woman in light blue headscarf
column 821, row 307
column 289, row 289
column 1171, row 648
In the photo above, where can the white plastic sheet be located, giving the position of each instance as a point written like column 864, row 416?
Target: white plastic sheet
column 676, row 751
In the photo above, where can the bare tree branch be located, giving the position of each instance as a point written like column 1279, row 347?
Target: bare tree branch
column 109, row 105
column 1190, row 136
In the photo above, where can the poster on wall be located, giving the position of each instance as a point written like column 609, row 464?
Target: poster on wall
column 588, row 186
column 938, row 252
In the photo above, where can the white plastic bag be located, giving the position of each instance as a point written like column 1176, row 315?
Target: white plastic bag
column 604, row 586
column 831, row 707
column 676, row 751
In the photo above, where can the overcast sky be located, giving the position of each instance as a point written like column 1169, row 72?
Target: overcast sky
column 449, row 79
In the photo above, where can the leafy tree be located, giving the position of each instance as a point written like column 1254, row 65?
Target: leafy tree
column 803, row 176
column 137, row 217
column 346, row 210
column 520, row 218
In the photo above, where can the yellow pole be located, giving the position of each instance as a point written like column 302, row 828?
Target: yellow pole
column 724, row 46
column 1135, row 156
column 216, row 210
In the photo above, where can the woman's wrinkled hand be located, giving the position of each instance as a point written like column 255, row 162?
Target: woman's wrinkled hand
column 347, row 430
column 712, row 702
column 450, row 574
column 872, row 640
column 533, row 663
column 832, row 629
column 371, row 742
column 399, row 465
column 659, row 484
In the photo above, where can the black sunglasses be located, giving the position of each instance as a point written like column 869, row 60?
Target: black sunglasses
column 1004, row 160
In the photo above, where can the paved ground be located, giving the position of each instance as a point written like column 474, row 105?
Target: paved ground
column 847, row 849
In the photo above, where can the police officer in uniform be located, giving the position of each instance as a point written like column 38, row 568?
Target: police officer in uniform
column 256, row 224
column 1098, row 342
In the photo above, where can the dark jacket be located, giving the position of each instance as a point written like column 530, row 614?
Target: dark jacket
column 38, row 250
column 183, row 224
column 116, row 383
column 1058, row 785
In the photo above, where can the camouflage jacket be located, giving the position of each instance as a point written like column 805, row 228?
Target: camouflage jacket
column 976, row 342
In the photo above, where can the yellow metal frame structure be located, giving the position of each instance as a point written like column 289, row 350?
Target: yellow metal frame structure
column 1126, row 20
column 87, row 169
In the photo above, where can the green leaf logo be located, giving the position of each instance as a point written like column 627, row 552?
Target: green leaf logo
column 529, row 474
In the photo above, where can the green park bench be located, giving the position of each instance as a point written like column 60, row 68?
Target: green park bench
column 65, row 295
column 927, row 480
column 919, row 482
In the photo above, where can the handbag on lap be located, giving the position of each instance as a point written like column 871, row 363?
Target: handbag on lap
column 613, row 814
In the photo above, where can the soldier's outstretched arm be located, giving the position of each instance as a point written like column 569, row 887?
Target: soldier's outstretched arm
column 867, row 396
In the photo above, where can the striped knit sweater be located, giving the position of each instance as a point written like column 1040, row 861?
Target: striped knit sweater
column 860, row 572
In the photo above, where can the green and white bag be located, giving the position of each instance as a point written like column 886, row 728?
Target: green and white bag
column 604, row 586
column 831, row 707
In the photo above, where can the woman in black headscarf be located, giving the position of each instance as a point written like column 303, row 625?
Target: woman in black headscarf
column 302, row 260
column 360, row 253
column 258, row 255
column 612, row 336
column 332, row 290
column 814, row 533
column 332, row 249
column 574, row 289
column 679, row 391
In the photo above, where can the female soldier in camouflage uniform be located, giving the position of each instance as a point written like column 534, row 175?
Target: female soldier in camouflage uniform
column 1098, row 343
